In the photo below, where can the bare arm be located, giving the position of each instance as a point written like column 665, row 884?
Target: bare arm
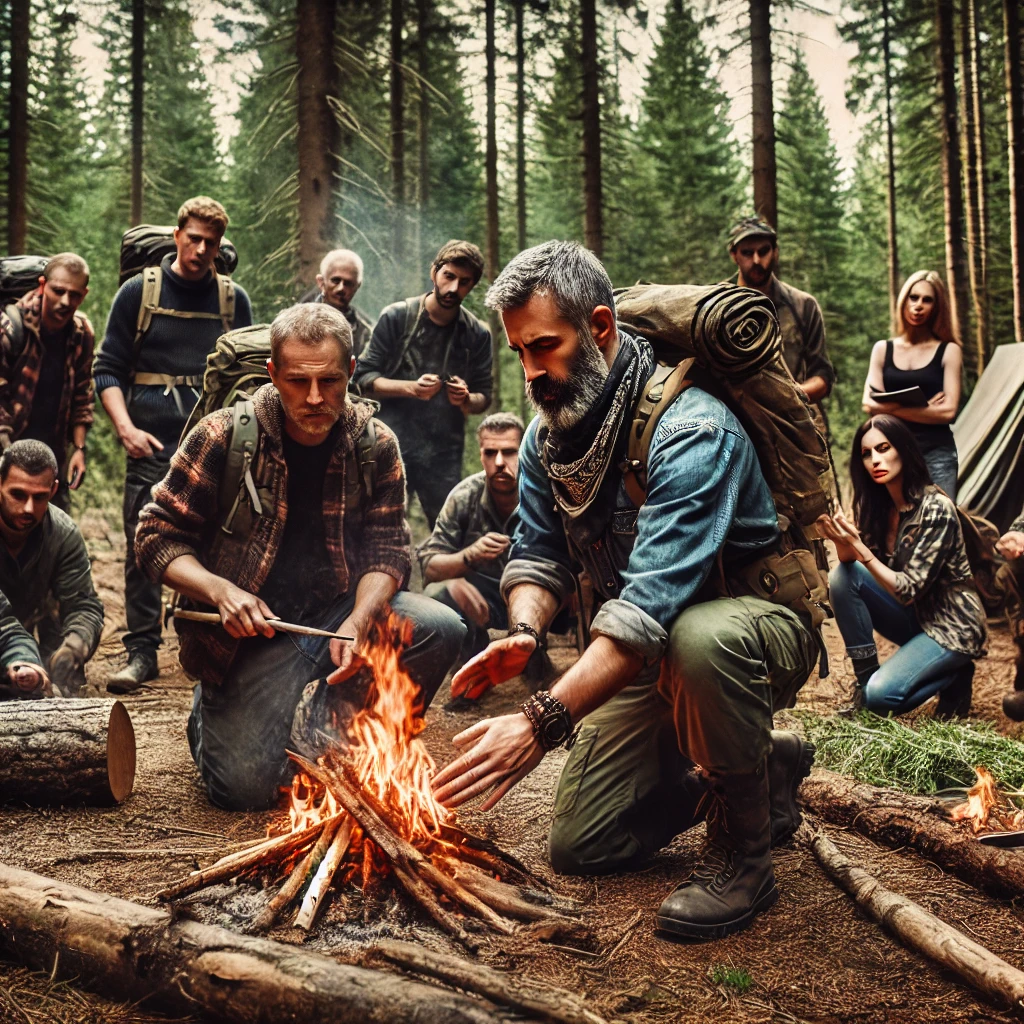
column 942, row 408
column 424, row 388
column 815, row 388
column 373, row 591
column 874, row 382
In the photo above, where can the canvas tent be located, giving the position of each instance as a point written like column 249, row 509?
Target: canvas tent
column 989, row 436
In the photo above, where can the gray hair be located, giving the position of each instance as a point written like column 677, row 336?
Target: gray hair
column 311, row 323
column 572, row 275
column 499, row 423
column 336, row 255
column 31, row 457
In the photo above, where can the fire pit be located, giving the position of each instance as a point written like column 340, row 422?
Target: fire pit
column 364, row 814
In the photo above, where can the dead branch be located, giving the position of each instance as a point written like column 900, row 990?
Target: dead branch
column 922, row 931
column 313, row 900
column 284, row 896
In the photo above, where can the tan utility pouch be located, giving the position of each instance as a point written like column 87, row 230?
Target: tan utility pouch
column 792, row 579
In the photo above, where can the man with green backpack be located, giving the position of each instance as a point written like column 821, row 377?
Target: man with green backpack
column 162, row 325
column 692, row 542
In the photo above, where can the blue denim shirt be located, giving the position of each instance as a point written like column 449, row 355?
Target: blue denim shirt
column 705, row 493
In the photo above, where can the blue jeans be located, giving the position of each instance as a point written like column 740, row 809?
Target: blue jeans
column 918, row 670
column 943, row 465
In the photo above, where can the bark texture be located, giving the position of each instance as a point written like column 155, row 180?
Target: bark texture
column 397, row 130
column 903, row 821
column 980, row 176
column 766, row 201
column 1015, row 145
column 58, row 751
column 317, row 133
column 593, row 189
column 17, row 153
column 890, row 158
column 135, row 953
column 493, row 255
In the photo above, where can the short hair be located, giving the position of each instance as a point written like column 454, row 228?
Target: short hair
column 69, row 261
column 311, row 323
column 499, row 423
column 941, row 323
column 462, row 254
column 30, row 456
column 571, row 274
column 342, row 254
column 204, row 208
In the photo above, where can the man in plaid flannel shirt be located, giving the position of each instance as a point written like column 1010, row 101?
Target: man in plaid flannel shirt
column 320, row 551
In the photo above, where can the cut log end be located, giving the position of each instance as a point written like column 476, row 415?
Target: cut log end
column 120, row 753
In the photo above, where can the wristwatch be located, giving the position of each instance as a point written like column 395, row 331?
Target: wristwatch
column 525, row 627
column 551, row 721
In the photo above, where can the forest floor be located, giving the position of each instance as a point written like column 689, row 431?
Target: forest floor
column 811, row 958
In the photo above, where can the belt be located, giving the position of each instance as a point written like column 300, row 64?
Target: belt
column 167, row 381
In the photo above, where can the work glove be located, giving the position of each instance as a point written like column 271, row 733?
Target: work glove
column 67, row 666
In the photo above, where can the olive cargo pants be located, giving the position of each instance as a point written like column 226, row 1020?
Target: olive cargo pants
column 626, row 789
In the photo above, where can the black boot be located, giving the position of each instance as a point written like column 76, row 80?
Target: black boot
column 1013, row 705
column 789, row 763
column 733, row 880
column 141, row 668
column 955, row 699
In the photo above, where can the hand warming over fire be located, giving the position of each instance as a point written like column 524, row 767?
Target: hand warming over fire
column 345, row 653
column 497, row 663
column 501, row 752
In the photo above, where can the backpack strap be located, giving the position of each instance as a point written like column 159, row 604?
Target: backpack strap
column 366, row 455
column 663, row 387
column 226, row 297
column 238, row 479
column 152, row 282
column 17, row 335
column 413, row 310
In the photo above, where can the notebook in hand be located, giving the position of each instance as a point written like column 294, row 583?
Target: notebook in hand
column 906, row 396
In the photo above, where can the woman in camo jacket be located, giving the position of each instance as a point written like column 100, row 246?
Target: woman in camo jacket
column 903, row 571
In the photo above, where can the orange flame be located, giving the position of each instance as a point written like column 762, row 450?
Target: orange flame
column 982, row 800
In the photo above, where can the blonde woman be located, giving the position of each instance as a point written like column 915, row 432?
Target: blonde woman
column 925, row 353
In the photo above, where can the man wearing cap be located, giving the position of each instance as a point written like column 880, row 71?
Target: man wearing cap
column 754, row 248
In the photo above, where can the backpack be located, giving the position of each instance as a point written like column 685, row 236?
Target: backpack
column 145, row 245
column 18, row 275
column 235, row 368
column 726, row 340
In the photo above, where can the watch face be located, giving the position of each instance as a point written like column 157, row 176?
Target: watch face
column 554, row 730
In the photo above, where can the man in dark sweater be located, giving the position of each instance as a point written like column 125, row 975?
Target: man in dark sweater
column 149, row 385
column 429, row 365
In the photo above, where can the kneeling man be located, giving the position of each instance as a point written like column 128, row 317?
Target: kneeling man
column 310, row 541
column 676, row 675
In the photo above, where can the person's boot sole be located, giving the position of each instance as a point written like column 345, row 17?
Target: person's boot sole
column 804, row 766
column 691, row 930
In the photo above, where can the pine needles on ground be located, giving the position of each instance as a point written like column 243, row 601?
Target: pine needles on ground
column 930, row 757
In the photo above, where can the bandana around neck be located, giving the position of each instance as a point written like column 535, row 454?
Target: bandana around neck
column 577, row 464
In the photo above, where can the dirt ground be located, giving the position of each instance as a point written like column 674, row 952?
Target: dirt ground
column 812, row 958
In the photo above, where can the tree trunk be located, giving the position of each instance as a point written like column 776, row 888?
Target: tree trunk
column 766, row 200
column 593, row 196
column 981, row 178
column 17, row 152
column 1015, row 139
column 423, row 138
column 317, row 135
column 58, row 751
column 890, row 155
column 491, row 173
column 397, row 131
column 520, row 9
column 969, row 152
column 132, row 953
column 917, row 823
column 952, row 181
column 138, row 110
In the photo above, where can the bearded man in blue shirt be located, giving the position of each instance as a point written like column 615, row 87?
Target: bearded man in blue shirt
column 675, row 676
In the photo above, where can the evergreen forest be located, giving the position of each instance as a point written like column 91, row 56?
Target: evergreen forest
column 390, row 127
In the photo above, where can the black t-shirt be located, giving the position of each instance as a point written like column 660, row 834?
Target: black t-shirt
column 302, row 578
column 46, row 403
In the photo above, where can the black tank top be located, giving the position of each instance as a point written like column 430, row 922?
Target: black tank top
column 929, row 378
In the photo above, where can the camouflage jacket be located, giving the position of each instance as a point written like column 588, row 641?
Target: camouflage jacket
column 933, row 575
column 19, row 372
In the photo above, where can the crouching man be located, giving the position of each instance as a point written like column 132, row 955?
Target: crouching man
column 22, row 676
column 311, row 541
column 675, row 675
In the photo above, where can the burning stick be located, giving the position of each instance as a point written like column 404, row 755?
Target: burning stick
column 313, row 899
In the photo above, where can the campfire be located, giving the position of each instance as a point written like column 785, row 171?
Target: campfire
column 986, row 808
column 364, row 814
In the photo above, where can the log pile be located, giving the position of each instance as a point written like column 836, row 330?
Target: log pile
column 462, row 882
column 66, row 752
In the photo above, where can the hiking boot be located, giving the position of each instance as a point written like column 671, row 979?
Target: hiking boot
column 141, row 668
column 789, row 763
column 1013, row 705
column 733, row 879
column 955, row 699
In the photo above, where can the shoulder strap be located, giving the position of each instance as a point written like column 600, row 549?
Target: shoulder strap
column 245, row 438
column 17, row 336
column 413, row 309
column 226, row 296
column 152, row 282
column 665, row 385
column 366, row 445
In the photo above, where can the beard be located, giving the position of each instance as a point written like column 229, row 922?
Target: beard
column 561, row 404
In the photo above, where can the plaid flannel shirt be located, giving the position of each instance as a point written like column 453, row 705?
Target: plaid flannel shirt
column 184, row 517
column 19, row 372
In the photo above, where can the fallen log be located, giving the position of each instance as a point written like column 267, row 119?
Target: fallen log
column 129, row 952
column 900, row 820
column 545, row 1001
column 922, row 931
column 60, row 751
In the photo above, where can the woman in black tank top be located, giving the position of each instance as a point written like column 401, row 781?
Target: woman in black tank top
column 925, row 353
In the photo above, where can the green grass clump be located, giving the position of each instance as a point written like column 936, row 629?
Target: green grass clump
column 932, row 756
column 734, row 978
